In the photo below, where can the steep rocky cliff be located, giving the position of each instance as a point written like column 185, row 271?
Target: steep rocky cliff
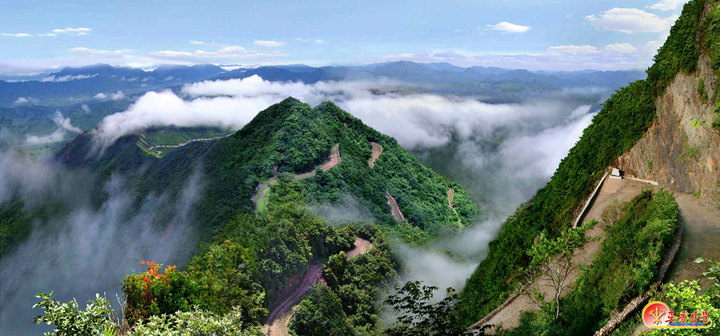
column 681, row 150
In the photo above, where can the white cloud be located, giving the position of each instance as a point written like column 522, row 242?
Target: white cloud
column 113, row 96
column 172, row 53
column 64, row 123
column 318, row 41
column 620, row 48
column 630, row 20
column 53, row 78
column 23, row 100
column 269, row 44
column 64, row 126
column 117, row 95
column 56, row 136
column 667, row 5
column 92, row 51
column 507, row 27
column 73, row 31
column 540, row 151
column 166, row 109
column 574, row 49
column 196, row 42
column 15, row 34
column 433, row 268
column 232, row 52
column 54, row 32
column 416, row 120
column 651, row 47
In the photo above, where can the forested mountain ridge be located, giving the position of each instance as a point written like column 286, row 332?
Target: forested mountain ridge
column 625, row 119
column 289, row 137
column 245, row 257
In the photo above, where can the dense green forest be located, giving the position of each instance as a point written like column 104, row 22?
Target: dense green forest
column 289, row 137
column 246, row 258
column 348, row 304
column 624, row 119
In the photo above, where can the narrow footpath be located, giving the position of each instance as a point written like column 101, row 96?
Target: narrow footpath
column 612, row 190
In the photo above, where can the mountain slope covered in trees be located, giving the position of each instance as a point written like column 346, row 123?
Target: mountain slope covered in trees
column 248, row 254
column 623, row 121
column 288, row 138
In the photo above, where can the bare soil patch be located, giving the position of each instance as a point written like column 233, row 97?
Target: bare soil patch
column 376, row 151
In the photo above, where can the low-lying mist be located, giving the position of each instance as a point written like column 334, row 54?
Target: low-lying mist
column 86, row 249
column 501, row 153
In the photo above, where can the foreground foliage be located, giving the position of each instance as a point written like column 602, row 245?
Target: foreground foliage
column 99, row 318
column 418, row 316
column 70, row 320
column 195, row 323
column 320, row 314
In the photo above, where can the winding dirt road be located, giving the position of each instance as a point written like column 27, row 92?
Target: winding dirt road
column 394, row 209
column 280, row 316
column 376, row 151
column 450, row 198
column 277, row 321
column 263, row 188
column 702, row 229
column 611, row 191
column 159, row 152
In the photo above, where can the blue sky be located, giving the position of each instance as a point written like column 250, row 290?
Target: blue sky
column 531, row 34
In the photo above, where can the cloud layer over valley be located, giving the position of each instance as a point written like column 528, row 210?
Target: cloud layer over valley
column 84, row 248
column 502, row 153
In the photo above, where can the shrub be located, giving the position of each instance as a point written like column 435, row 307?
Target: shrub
column 701, row 90
column 419, row 315
column 716, row 122
column 70, row 320
column 153, row 293
column 98, row 319
column 686, row 296
column 194, row 323
column 320, row 314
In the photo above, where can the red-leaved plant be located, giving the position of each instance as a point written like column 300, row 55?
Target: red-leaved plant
column 157, row 292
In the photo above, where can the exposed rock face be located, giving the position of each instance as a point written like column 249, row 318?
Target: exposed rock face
column 679, row 153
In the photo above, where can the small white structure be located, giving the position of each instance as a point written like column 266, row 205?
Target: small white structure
column 616, row 173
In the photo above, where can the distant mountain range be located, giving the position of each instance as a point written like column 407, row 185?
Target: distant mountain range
column 70, row 85
column 436, row 73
